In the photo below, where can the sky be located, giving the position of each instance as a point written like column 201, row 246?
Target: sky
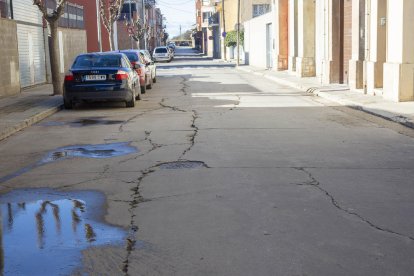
column 178, row 12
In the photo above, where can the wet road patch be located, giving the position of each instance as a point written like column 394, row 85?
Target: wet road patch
column 82, row 122
column 182, row 165
column 98, row 151
column 44, row 231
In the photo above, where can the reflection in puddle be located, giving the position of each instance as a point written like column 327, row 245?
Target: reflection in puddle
column 99, row 151
column 44, row 231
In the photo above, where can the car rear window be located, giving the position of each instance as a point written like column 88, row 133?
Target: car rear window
column 160, row 50
column 132, row 57
column 97, row 61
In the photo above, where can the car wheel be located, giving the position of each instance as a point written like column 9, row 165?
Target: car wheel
column 144, row 88
column 138, row 93
column 67, row 104
column 149, row 86
column 131, row 103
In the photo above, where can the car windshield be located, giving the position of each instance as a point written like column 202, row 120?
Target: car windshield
column 97, row 61
column 160, row 50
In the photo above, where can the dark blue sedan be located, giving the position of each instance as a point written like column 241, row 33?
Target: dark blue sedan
column 101, row 77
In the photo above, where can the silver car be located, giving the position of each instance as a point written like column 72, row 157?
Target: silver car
column 162, row 54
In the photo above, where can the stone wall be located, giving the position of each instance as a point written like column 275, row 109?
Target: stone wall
column 9, row 59
column 72, row 42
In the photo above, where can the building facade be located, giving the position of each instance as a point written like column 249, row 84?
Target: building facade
column 366, row 44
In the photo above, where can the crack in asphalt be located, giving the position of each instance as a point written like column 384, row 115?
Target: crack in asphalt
column 184, row 84
column 193, row 136
column 136, row 198
column 315, row 183
column 173, row 108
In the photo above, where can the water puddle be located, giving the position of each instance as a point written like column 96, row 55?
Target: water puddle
column 99, row 151
column 82, row 122
column 44, row 231
column 182, row 165
column 90, row 122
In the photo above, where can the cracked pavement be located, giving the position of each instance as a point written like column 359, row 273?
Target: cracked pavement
column 234, row 175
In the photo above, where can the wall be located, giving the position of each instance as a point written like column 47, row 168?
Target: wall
column 9, row 59
column 72, row 42
column 255, row 39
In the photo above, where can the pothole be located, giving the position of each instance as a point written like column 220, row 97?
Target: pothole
column 44, row 231
column 182, row 165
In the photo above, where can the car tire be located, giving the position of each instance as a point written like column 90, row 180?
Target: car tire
column 131, row 103
column 67, row 104
column 149, row 86
column 144, row 88
column 138, row 94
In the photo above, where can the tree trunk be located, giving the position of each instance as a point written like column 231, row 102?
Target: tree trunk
column 54, row 59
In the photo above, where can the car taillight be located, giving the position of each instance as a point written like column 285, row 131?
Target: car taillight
column 69, row 77
column 121, row 75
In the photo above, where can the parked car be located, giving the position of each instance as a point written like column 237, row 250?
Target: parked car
column 185, row 44
column 162, row 54
column 150, row 63
column 144, row 72
column 101, row 77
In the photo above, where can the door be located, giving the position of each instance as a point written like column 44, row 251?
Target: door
column 269, row 46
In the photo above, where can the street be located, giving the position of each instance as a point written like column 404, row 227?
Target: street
column 214, row 172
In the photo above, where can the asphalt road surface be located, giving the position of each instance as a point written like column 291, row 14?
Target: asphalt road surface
column 214, row 172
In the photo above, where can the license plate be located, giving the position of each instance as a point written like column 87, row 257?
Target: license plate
column 95, row 77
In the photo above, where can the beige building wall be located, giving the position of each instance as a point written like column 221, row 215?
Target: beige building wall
column 399, row 67
column 9, row 59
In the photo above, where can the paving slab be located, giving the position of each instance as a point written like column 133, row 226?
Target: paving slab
column 27, row 108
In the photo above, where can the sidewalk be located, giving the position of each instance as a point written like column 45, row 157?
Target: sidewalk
column 402, row 113
column 27, row 108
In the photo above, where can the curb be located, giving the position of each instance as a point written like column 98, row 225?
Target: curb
column 321, row 92
column 8, row 131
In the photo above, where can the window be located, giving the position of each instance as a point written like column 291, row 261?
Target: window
column 206, row 16
column 260, row 9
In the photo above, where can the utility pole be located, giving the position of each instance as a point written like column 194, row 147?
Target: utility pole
column 224, row 29
column 238, row 32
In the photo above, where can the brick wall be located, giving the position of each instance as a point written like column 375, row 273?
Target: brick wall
column 9, row 59
column 347, row 38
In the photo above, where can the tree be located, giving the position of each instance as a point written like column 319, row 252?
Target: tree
column 110, row 11
column 52, row 21
column 136, row 29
